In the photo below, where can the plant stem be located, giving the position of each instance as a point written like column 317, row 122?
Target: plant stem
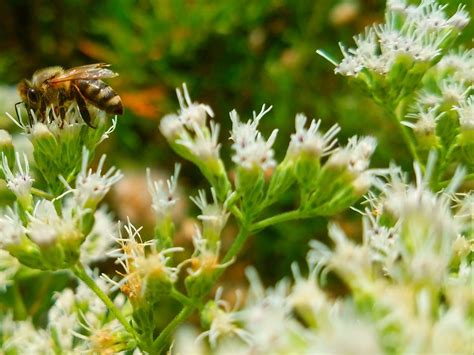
column 411, row 145
column 41, row 193
column 286, row 216
column 81, row 274
column 19, row 306
column 396, row 113
column 189, row 306
column 164, row 336
column 236, row 212
column 236, row 245
column 183, row 299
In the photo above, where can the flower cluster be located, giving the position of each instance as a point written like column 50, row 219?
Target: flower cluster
column 442, row 116
column 58, row 143
column 77, row 323
column 51, row 219
column 405, row 288
column 391, row 59
column 407, row 281
column 259, row 178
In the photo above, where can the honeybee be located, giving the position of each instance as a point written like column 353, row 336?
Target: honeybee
column 57, row 88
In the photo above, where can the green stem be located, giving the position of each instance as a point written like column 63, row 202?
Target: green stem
column 41, row 193
column 81, row 274
column 396, row 113
column 164, row 336
column 445, row 183
column 411, row 145
column 183, row 299
column 19, row 306
column 190, row 306
column 236, row 245
column 287, row 216
column 236, row 212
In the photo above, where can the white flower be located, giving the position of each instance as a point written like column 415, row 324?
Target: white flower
column 21, row 182
column 101, row 338
column 251, row 149
column 426, row 215
column 396, row 5
column 430, row 16
column 5, row 138
column 205, row 258
column 171, row 126
column 63, row 319
column 9, row 265
column 213, row 215
column 307, row 298
column 192, row 113
column 21, row 337
column 355, row 156
column 100, row 239
column 205, row 143
column 454, row 91
column 421, row 35
column 185, row 342
column 268, row 317
column 381, row 240
column 91, row 187
column 310, row 140
column 460, row 19
column 224, row 322
column 11, row 228
column 460, row 63
column 350, row 65
column 350, row 260
column 333, row 337
column 46, row 226
column 426, row 120
column 139, row 263
column 465, row 110
column 163, row 200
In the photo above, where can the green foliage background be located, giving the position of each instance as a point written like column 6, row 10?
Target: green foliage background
column 232, row 54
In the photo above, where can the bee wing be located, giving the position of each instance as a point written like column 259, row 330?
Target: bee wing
column 84, row 72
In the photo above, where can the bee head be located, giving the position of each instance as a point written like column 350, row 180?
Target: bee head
column 29, row 95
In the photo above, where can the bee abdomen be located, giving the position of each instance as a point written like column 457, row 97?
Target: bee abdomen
column 101, row 95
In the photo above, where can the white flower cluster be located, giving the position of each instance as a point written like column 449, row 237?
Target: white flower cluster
column 21, row 182
column 310, row 140
column 189, row 130
column 142, row 264
column 163, row 200
column 91, row 187
column 251, row 149
column 422, row 35
column 77, row 323
column 408, row 282
column 442, row 116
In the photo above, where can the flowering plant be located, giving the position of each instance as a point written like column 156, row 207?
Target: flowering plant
column 409, row 282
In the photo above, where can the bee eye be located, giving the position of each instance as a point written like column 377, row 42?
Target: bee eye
column 32, row 95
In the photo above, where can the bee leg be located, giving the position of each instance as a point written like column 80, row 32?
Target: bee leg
column 41, row 113
column 62, row 109
column 81, row 104
column 17, row 112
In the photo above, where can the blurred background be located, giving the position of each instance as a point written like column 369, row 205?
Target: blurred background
column 232, row 54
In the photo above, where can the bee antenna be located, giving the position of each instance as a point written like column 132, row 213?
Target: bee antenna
column 17, row 111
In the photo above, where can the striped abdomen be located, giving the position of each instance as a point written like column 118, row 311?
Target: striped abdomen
column 101, row 95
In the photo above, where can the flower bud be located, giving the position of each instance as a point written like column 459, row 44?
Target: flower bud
column 21, row 182
column 213, row 216
column 282, row 179
column 158, row 278
column 6, row 148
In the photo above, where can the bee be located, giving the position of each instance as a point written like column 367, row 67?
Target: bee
column 56, row 88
